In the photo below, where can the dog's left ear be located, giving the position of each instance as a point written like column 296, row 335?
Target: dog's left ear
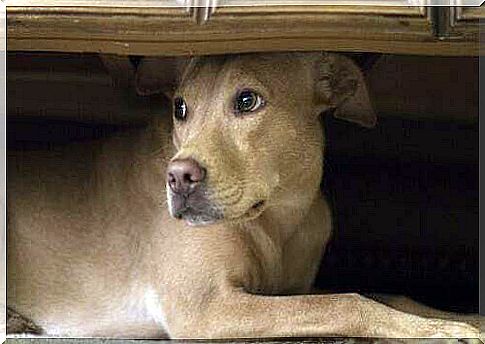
column 156, row 75
column 340, row 85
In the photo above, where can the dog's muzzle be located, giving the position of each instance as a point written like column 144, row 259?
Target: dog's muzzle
column 187, row 195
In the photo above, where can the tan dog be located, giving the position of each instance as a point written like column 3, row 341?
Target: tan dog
column 93, row 249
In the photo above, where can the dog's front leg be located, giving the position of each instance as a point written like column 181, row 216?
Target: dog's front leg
column 208, row 297
column 242, row 315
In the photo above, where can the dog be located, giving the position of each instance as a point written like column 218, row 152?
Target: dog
column 209, row 224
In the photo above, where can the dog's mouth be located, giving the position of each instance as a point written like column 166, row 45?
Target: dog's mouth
column 195, row 209
column 252, row 213
column 196, row 213
column 196, row 218
column 256, row 209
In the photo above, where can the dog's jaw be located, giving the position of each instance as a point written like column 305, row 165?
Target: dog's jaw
column 201, row 212
column 212, row 214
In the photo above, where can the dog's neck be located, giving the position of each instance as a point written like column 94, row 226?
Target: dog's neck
column 282, row 221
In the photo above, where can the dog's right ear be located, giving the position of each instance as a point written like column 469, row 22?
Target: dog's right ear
column 159, row 75
column 340, row 85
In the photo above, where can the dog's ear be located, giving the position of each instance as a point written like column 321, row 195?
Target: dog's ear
column 340, row 85
column 155, row 75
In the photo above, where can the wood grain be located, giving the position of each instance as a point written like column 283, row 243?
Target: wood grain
column 170, row 31
column 465, row 24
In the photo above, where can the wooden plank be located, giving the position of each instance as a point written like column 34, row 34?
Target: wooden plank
column 464, row 24
column 471, row 13
column 245, row 46
column 96, row 3
column 170, row 31
column 219, row 3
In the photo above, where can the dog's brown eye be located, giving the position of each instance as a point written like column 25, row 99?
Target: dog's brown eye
column 179, row 109
column 247, row 101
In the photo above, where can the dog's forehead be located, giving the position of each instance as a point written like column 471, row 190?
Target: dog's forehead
column 269, row 65
column 203, row 70
column 219, row 70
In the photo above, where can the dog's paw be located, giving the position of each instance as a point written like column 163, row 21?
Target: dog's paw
column 441, row 331
column 453, row 329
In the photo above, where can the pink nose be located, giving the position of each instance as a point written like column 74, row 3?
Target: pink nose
column 184, row 176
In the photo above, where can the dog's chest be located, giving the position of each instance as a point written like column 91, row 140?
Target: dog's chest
column 143, row 306
column 270, row 260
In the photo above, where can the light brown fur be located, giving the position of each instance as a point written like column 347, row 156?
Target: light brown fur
column 93, row 251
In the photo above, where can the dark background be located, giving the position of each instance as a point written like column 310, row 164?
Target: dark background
column 405, row 202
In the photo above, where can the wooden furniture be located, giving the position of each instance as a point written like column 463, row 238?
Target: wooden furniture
column 145, row 28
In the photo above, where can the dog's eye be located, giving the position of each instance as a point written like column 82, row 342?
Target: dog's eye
column 179, row 109
column 247, row 101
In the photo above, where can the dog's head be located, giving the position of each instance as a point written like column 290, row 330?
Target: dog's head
column 247, row 128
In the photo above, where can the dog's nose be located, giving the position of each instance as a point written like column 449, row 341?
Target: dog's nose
column 184, row 175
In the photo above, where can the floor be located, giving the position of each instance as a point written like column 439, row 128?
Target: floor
column 255, row 341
